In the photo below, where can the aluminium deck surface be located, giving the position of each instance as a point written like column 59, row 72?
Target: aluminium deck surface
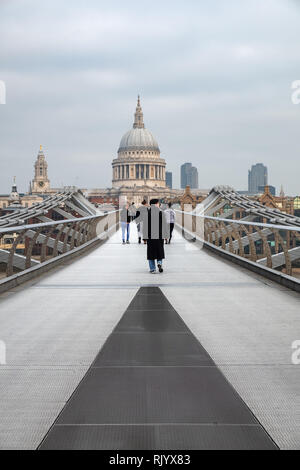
column 153, row 386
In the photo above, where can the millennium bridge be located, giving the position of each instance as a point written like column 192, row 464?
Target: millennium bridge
column 96, row 353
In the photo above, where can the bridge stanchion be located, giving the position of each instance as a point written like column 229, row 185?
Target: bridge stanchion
column 74, row 235
column 57, row 239
column 18, row 239
column 45, row 243
column 66, row 239
column 32, row 242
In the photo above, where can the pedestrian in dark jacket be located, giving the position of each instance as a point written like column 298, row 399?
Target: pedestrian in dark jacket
column 155, row 231
column 132, row 211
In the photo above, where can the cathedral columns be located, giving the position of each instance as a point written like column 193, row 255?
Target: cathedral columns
column 139, row 171
column 132, row 169
column 152, row 175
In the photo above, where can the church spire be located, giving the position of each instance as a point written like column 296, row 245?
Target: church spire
column 138, row 117
column 14, row 186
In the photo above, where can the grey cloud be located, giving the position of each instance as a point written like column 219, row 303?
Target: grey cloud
column 214, row 78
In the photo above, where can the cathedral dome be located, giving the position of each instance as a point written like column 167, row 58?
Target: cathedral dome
column 138, row 138
column 139, row 162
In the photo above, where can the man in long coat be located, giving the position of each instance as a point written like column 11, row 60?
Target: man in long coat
column 155, row 230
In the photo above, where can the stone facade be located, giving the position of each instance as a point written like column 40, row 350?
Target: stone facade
column 282, row 202
column 16, row 200
column 136, row 194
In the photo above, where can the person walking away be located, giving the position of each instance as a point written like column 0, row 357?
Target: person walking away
column 170, row 218
column 140, row 216
column 132, row 211
column 155, row 231
column 125, row 224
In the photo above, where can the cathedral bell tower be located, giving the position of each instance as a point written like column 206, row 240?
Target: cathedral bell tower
column 40, row 183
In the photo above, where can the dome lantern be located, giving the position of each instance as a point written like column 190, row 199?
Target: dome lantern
column 138, row 117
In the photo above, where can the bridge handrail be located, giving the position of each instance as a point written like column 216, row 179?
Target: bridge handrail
column 18, row 228
column 242, row 222
column 34, row 248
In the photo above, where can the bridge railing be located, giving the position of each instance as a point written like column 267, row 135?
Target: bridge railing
column 28, row 246
column 271, row 245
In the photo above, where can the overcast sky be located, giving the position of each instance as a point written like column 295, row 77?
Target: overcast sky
column 214, row 77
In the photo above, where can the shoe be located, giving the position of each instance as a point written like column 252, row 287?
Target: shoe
column 160, row 268
column 153, row 272
column 140, row 240
column 123, row 243
column 128, row 242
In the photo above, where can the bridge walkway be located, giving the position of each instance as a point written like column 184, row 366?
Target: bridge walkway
column 225, row 339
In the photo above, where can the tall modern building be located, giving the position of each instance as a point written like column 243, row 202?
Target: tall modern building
column 189, row 176
column 257, row 176
column 194, row 178
column 169, row 179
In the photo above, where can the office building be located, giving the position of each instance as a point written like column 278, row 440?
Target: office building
column 189, row 176
column 169, row 179
column 257, row 176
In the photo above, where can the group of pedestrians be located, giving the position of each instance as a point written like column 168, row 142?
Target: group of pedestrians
column 154, row 227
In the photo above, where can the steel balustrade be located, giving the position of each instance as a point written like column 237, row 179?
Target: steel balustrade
column 271, row 245
column 34, row 244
